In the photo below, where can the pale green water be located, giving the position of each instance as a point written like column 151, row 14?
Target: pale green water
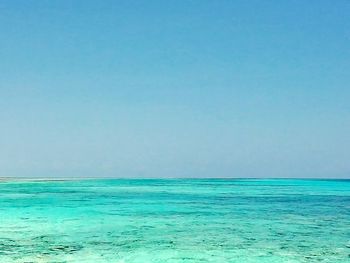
column 175, row 221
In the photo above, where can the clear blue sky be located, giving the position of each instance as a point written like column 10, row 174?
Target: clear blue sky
column 175, row 88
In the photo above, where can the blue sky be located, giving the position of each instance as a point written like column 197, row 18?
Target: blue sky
column 175, row 88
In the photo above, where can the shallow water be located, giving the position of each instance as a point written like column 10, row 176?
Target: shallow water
column 175, row 221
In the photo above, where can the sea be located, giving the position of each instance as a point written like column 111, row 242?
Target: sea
column 175, row 220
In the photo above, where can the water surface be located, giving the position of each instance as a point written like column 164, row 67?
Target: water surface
column 175, row 221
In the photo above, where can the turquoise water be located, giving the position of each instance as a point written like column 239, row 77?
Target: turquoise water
column 175, row 221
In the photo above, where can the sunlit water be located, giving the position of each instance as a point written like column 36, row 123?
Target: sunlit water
column 175, row 221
